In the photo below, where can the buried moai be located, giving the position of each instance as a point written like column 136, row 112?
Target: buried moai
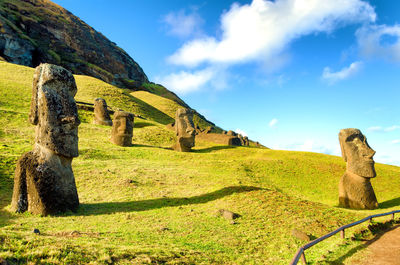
column 122, row 130
column 44, row 182
column 355, row 189
column 101, row 115
column 184, row 130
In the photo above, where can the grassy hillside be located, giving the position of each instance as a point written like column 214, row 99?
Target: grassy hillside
column 147, row 204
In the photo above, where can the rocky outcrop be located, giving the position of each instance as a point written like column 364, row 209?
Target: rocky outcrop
column 39, row 31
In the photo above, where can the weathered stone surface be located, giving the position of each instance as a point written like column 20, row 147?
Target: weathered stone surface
column 231, row 133
column 39, row 31
column 228, row 214
column 355, row 189
column 184, row 129
column 101, row 115
column 220, row 138
column 246, row 141
column 122, row 130
column 44, row 182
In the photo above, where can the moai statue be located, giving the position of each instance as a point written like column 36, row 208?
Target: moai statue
column 101, row 115
column 355, row 189
column 184, row 130
column 122, row 130
column 44, row 182
column 246, row 141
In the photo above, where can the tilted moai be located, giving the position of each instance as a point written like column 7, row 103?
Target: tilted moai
column 355, row 189
column 44, row 182
column 101, row 115
column 122, row 130
column 184, row 130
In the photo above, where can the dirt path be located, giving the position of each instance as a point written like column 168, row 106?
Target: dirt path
column 384, row 251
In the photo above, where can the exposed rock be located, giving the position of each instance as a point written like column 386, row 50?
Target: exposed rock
column 246, row 141
column 231, row 133
column 228, row 214
column 36, row 231
column 220, row 139
column 44, row 182
column 39, row 31
column 122, row 130
column 101, row 115
column 184, row 130
column 300, row 235
column 355, row 189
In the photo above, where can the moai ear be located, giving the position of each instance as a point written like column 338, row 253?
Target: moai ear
column 33, row 115
column 342, row 139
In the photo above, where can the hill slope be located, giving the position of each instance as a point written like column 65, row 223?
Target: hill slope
column 147, row 204
column 36, row 31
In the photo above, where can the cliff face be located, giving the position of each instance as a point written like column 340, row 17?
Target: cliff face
column 35, row 31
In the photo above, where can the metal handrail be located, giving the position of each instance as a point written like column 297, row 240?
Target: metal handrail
column 300, row 251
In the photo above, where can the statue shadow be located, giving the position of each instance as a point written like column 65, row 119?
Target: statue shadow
column 142, row 124
column 214, row 148
column 151, row 146
column 389, row 203
column 351, row 252
column 87, row 209
column 6, row 187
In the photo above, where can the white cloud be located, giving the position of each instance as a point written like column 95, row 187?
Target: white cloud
column 184, row 82
column 375, row 129
column 239, row 131
column 183, row 25
column 311, row 146
column 263, row 29
column 380, row 41
column 392, row 128
column 382, row 129
column 397, row 141
column 344, row 73
column 273, row 122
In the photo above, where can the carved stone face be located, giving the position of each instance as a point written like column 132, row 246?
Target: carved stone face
column 122, row 129
column 357, row 153
column 184, row 127
column 54, row 111
column 101, row 115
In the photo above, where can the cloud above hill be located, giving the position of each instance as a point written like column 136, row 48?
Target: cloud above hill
column 380, row 41
column 344, row 73
column 263, row 30
column 183, row 24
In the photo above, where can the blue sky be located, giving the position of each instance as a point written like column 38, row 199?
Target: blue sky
column 288, row 73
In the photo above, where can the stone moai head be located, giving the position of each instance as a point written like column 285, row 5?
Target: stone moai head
column 122, row 130
column 357, row 153
column 54, row 111
column 184, row 129
column 101, row 115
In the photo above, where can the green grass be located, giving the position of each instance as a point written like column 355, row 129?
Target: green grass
column 148, row 204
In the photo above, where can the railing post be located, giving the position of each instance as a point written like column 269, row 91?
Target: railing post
column 370, row 220
column 393, row 216
column 342, row 234
column 303, row 258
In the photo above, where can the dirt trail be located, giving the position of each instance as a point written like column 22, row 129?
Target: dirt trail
column 384, row 251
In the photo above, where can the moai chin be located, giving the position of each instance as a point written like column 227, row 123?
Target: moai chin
column 122, row 130
column 355, row 189
column 184, row 130
column 101, row 115
column 44, row 182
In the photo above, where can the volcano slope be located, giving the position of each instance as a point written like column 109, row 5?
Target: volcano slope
column 147, row 204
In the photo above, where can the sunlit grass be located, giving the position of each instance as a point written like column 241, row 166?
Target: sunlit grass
column 149, row 204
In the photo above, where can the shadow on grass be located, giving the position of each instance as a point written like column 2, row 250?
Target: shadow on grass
column 351, row 252
column 142, row 124
column 151, row 146
column 214, row 148
column 136, row 206
column 6, row 187
column 389, row 203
